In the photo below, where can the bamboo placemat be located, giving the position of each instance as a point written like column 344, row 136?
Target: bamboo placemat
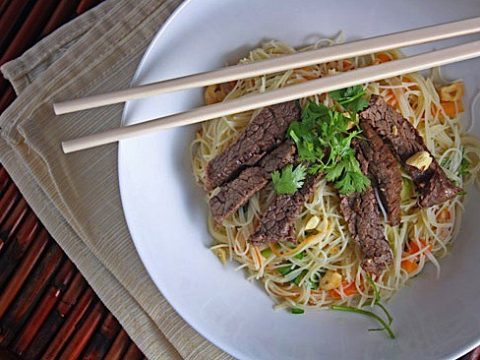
column 47, row 309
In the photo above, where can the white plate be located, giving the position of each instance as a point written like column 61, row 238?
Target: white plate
column 166, row 214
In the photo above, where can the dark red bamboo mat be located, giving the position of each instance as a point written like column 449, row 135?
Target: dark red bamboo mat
column 47, row 309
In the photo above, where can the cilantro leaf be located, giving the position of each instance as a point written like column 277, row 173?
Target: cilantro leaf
column 289, row 180
column 351, row 98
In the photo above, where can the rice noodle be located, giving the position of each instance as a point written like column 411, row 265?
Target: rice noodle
column 330, row 247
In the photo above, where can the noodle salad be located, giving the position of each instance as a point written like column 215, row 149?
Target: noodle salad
column 323, row 268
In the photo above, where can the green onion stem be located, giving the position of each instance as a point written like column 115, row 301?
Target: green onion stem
column 390, row 318
column 366, row 313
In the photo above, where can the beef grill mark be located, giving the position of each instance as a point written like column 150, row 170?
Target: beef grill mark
column 278, row 222
column 384, row 169
column 362, row 215
column 432, row 184
column 237, row 192
column 265, row 131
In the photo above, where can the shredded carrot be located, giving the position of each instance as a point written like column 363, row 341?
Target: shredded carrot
column 413, row 246
column 409, row 266
column 382, row 57
column 349, row 289
column 452, row 92
column 452, row 108
column 391, row 98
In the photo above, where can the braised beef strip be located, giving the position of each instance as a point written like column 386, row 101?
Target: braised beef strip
column 363, row 219
column 432, row 184
column 384, row 170
column 237, row 192
column 265, row 131
column 278, row 222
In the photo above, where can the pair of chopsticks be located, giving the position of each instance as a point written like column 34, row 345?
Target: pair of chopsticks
column 297, row 60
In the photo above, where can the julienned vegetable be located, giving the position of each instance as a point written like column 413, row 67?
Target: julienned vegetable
column 297, row 311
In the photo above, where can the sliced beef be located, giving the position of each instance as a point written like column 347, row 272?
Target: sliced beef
column 265, row 131
column 384, row 169
column 432, row 184
column 237, row 192
column 278, row 222
column 364, row 224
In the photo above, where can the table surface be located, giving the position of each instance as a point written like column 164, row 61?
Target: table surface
column 47, row 309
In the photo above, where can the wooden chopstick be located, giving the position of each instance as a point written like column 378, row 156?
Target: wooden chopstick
column 297, row 60
column 309, row 88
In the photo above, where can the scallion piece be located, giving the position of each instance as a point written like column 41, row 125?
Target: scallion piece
column 370, row 314
column 266, row 253
column 297, row 311
column 284, row 270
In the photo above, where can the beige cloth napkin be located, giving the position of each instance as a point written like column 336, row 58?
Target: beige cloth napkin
column 76, row 196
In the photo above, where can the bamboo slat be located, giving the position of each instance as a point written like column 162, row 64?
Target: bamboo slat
column 61, row 281
column 17, row 247
column 84, row 332
column 64, row 12
column 8, row 200
column 56, row 318
column 22, row 272
column 12, row 13
column 102, row 339
column 68, row 327
column 33, row 289
column 4, row 180
column 28, row 33
column 86, row 5
column 133, row 352
column 119, row 346
column 14, row 219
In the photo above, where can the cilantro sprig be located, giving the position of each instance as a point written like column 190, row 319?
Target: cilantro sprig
column 289, row 180
column 324, row 136
column 377, row 301
column 352, row 98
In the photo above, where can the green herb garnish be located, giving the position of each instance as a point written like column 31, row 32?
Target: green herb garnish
column 297, row 311
column 378, row 301
column 266, row 253
column 284, row 270
column 300, row 255
column 289, row 180
column 386, row 326
column 371, row 314
column 300, row 277
column 323, row 139
column 352, row 99
column 464, row 168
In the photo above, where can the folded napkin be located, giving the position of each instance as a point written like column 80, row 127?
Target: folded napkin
column 76, row 196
